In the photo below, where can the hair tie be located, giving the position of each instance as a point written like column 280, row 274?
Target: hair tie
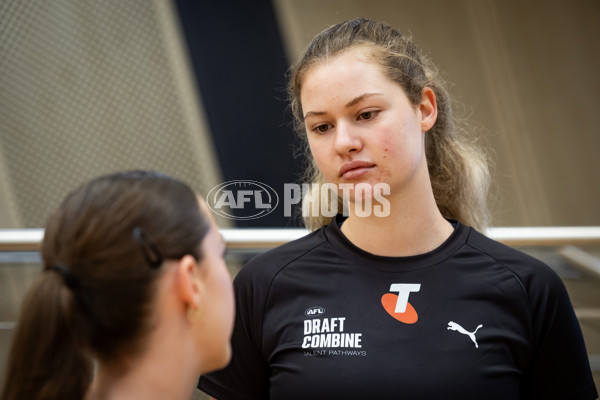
column 149, row 250
column 68, row 278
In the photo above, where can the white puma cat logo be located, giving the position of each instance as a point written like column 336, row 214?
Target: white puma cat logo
column 456, row 327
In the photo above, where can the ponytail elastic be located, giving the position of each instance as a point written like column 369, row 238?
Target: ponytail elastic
column 65, row 273
column 149, row 250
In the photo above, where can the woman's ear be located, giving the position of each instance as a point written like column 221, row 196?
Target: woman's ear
column 189, row 283
column 428, row 108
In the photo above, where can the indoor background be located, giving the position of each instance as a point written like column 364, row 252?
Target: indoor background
column 196, row 89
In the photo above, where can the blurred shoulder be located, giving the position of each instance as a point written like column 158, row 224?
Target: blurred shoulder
column 266, row 265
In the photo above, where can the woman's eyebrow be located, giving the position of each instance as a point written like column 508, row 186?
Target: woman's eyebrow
column 360, row 98
column 352, row 102
column 313, row 114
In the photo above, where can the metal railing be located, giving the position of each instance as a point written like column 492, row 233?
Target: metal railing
column 566, row 239
column 259, row 238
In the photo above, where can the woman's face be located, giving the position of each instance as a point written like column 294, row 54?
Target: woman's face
column 361, row 127
column 217, row 308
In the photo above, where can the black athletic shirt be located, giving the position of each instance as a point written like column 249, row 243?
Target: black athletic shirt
column 319, row 318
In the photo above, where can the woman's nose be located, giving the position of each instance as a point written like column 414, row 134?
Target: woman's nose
column 347, row 139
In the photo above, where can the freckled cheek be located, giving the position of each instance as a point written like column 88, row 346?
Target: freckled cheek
column 312, row 148
column 322, row 159
column 394, row 156
column 388, row 148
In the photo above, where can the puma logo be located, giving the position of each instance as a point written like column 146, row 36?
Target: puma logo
column 456, row 327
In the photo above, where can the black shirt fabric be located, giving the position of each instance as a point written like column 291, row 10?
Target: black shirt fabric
column 319, row 318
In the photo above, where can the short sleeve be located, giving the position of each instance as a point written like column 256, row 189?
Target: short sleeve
column 246, row 377
column 560, row 368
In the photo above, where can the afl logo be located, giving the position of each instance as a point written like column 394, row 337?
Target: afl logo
column 314, row 311
column 242, row 200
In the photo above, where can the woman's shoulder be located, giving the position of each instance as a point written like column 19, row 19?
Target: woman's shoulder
column 529, row 269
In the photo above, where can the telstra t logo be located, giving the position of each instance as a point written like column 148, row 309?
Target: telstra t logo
column 397, row 305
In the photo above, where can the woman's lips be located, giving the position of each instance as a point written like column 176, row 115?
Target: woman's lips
column 355, row 169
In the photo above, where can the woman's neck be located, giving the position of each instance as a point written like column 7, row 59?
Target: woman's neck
column 411, row 228
column 164, row 371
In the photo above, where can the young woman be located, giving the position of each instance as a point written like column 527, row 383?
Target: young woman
column 134, row 301
column 410, row 302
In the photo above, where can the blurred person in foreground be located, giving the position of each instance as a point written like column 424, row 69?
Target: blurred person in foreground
column 134, row 300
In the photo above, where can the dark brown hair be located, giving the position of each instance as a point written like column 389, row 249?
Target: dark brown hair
column 102, row 251
column 457, row 166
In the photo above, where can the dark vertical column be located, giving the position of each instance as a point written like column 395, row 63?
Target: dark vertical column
column 240, row 64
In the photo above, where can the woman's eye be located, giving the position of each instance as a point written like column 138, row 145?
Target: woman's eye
column 322, row 128
column 367, row 115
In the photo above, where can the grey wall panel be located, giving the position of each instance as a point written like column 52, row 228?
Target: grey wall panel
column 94, row 87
